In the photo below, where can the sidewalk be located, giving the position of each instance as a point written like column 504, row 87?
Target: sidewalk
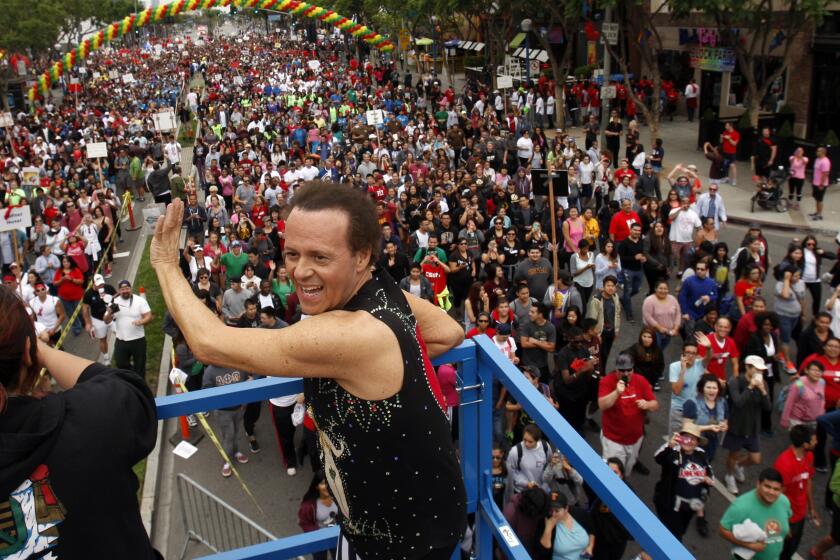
column 680, row 139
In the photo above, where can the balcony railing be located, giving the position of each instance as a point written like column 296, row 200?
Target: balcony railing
column 479, row 364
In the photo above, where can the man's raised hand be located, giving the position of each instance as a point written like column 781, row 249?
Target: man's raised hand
column 164, row 249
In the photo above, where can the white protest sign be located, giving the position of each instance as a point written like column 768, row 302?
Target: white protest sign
column 96, row 75
column 165, row 120
column 128, row 78
column 97, row 150
column 16, row 218
column 114, row 74
column 238, row 81
column 504, row 82
column 6, row 120
column 610, row 32
column 82, row 70
column 375, row 117
column 608, row 92
column 30, row 176
column 314, row 64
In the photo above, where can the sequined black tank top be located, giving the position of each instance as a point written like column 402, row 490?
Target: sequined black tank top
column 390, row 464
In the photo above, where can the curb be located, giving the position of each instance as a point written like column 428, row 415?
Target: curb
column 765, row 224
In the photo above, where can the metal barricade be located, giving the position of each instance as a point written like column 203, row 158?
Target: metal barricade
column 211, row 521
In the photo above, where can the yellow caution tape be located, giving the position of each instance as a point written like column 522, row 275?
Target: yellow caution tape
column 212, row 435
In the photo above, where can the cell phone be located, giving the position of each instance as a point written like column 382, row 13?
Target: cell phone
column 625, row 379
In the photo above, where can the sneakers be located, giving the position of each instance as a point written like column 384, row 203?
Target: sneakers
column 640, row 468
column 191, row 421
column 104, row 359
column 254, row 445
column 703, row 527
column 240, row 458
column 226, row 470
column 821, row 469
column 657, row 387
column 291, row 471
column 731, row 485
column 740, row 476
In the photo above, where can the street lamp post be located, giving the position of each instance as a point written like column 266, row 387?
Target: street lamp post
column 526, row 29
column 434, row 20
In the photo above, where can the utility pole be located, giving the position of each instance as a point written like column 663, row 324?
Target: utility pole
column 605, row 104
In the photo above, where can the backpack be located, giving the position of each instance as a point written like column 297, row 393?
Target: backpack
column 783, row 394
column 546, row 449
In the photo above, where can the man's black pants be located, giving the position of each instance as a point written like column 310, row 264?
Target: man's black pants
column 131, row 355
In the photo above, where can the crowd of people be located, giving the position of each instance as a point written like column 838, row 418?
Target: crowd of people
column 627, row 247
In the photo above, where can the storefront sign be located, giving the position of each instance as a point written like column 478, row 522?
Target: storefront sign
column 713, row 59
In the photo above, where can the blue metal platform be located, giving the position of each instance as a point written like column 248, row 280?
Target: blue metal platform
column 479, row 364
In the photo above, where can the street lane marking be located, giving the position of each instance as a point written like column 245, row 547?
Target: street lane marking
column 122, row 255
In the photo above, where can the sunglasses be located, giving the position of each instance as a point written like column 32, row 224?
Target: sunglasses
column 483, row 321
column 625, row 370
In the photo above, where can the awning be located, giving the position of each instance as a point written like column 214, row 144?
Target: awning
column 423, row 42
column 517, row 40
column 452, row 43
column 471, row 46
column 532, row 54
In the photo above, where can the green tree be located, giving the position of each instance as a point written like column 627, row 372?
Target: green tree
column 753, row 28
column 83, row 16
column 638, row 33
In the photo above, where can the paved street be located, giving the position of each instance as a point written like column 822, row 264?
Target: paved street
column 279, row 495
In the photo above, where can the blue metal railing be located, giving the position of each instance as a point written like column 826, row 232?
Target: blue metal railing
column 479, row 363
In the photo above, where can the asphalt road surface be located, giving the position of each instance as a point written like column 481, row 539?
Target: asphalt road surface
column 279, row 494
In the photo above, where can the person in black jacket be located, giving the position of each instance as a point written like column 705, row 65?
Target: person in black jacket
column 685, row 481
column 764, row 342
column 87, row 500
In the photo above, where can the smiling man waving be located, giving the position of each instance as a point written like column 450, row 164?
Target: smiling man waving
column 396, row 480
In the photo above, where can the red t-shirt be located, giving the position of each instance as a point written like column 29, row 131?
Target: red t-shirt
column 621, row 173
column 620, row 224
column 436, row 274
column 491, row 332
column 731, row 146
column 748, row 291
column 831, row 376
column 795, row 476
column 624, row 422
column 69, row 290
column 720, row 354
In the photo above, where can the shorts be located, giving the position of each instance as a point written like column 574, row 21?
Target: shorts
column 737, row 443
column 586, row 191
column 627, row 453
column 100, row 328
column 818, row 193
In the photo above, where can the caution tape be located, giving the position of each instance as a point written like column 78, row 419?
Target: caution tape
column 72, row 318
column 217, row 444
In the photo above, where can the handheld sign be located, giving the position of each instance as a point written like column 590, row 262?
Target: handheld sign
column 97, row 150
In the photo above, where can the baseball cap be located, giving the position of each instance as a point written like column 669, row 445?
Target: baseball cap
column 503, row 328
column 98, row 279
column 124, row 283
column 198, row 248
column 755, row 361
column 624, row 361
column 236, row 244
column 9, row 278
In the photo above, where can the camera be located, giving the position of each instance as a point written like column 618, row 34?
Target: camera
column 626, row 380
column 113, row 308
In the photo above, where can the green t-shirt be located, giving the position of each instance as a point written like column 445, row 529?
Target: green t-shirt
column 234, row 265
column 772, row 519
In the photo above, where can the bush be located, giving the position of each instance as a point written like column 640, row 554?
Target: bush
column 585, row 71
column 709, row 115
column 830, row 139
column 744, row 121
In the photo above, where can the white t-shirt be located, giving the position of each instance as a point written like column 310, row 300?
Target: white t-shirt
column 308, row 173
column 508, row 347
column 131, row 309
column 173, row 152
column 524, row 147
column 45, row 311
column 835, row 318
column 683, row 226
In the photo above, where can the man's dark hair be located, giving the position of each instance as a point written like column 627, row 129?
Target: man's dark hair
column 588, row 323
column 268, row 312
column 573, row 332
column 618, row 463
column 823, row 314
column 534, row 431
column 250, row 301
column 542, row 309
column 770, row 474
column 611, row 279
column 363, row 230
column 800, row 435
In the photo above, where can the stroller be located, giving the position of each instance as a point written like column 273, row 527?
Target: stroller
column 769, row 194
